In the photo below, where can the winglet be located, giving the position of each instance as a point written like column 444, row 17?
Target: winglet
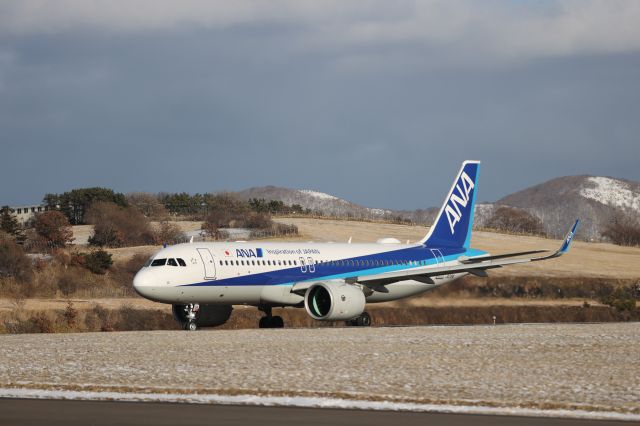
column 565, row 244
column 569, row 238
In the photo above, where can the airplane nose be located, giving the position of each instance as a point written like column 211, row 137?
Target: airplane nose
column 142, row 283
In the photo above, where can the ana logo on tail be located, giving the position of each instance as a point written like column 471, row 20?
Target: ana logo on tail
column 452, row 208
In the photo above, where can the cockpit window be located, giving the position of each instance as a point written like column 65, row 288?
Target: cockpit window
column 159, row 262
column 181, row 262
column 172, row 262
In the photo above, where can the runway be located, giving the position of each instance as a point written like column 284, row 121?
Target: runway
column 588, row 370
column 61, row 412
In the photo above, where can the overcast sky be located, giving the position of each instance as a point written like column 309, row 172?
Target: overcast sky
column 377, row 102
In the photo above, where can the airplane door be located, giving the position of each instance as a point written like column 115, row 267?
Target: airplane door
column 437, row 254
column 303, row 266
column 209, row 263
column 312, row 265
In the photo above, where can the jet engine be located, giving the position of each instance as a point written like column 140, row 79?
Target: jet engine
column 207, row 315
column 334, row 301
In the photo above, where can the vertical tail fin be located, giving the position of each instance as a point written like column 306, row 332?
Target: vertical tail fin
column 452, row 227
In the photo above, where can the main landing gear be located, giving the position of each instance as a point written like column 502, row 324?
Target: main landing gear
column 362, row 320
column 269, row 321
column 190, row 313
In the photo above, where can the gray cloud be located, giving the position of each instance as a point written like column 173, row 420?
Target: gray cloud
column 374, row 102
column 505, row 30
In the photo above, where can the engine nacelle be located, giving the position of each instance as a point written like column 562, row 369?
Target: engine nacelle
column 334, row 302
column 207, row 316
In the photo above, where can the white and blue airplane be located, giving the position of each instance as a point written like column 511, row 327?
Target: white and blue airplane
column 333, row 282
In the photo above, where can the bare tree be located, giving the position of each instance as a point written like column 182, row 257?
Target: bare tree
column 116, row 226
column 511, row 219
column 148, row 204
column 53, row 228
column 623, row 230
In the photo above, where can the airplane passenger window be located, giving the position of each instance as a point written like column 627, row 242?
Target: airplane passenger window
column 159, row 262
column 181, row 262
column 172, row 262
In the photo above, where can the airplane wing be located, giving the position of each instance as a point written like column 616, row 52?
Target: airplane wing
column 474, row 265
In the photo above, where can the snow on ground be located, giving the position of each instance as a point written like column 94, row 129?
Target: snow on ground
column 317, row 194
column 307, row 402
column 586, row 370
column 612, row 192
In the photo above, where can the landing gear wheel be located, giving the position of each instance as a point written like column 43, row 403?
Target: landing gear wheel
column 191, row 326
column 364, row 320
column 264, row 322
column 277, row 322
column 271, row 322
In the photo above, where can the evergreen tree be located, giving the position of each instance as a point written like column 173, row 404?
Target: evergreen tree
column 74, row 204
column 9, row 224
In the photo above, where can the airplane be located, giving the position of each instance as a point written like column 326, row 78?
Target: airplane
column 333, row 282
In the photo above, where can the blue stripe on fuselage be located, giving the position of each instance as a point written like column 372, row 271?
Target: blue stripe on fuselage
column 328, row 271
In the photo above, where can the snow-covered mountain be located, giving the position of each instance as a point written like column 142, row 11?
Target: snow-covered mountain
column 593, row 199
column 316, row 201
column 557, row 202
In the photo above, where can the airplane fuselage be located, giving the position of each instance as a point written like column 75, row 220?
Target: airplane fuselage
column 264, row 273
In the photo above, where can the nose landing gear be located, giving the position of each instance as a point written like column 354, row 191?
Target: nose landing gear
column 191, row 311
column 269, row 321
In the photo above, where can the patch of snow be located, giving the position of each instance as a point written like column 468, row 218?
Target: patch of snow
column 379, row 212
column 317, row 194
column 310, row 402
column 612, row 192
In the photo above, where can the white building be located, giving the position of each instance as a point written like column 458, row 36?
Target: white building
column 26, row 213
